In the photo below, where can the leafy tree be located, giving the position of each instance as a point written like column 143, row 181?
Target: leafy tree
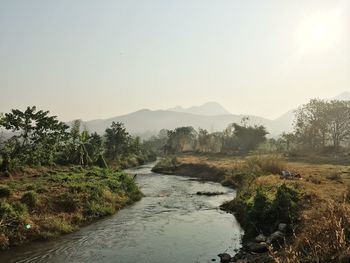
column 181, row 137
column 116, row 140
column 338, row 122
column 38, row 137
column 320, row 123
column 203, row 140
column 311, row 124
column 243, row 138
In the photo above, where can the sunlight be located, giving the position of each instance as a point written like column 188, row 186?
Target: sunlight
column 319, row 32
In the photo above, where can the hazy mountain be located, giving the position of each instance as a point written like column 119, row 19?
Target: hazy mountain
column 207, row 109
column 211, row 116
column 147, row 122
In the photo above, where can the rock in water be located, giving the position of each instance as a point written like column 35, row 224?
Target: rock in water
column 224, row 257
column 282, row 227
column 257, row 247
column 275, row 237
column 260, row 238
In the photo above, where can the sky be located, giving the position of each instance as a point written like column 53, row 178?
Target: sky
column 98, row 59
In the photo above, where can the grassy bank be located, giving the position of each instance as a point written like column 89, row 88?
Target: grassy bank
column 41, row 203
column 315, row 206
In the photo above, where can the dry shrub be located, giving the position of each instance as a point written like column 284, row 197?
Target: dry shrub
column 322, row 238
column 272, row 164
column 335, row 176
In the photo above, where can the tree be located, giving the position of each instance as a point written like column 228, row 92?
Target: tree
column 38, row 136
column 116, row 140
column 182, row 137
column 203, row 140
column 249, row 137
column 338, row 120
column 319, row 123
column 311, row 124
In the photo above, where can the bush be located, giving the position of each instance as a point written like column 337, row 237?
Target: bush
column 267, row 164
column 13, row 218
column 5, row 191
column 167, row 164
column 325, row 237
column 96, row 209
column 55, row 226
column 262, row 210
column 334, row 177
column 30, row 198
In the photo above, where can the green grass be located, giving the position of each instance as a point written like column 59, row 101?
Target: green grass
column 58, row 201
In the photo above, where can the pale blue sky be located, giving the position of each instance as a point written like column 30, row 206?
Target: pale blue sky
column 97, row 59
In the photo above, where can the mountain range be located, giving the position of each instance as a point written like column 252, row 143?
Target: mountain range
column 211, row 116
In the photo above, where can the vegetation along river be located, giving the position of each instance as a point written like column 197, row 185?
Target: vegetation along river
column 170, row 224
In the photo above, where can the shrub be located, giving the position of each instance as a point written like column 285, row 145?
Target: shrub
column 5, row 191
column 13, row 218
column 261, row 210
column 96, row 209
column 56, row 225
column 285, row 207
column 334, row 177
column 325, row 237
column 167, row 164
column 30, row 198
column 266, row 164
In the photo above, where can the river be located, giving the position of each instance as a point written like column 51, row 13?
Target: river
column 170, row 224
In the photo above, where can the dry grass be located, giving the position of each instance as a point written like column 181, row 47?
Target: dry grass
column 324, row 229
column 320, row 238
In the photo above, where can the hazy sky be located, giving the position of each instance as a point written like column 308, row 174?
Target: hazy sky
column 97, row 59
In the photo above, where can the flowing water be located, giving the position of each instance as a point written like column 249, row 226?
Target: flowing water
column 170, row 224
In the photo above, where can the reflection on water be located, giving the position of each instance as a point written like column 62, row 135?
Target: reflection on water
column 170, row 224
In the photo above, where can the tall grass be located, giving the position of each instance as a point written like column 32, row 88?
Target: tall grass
column 266, row 164
column 324, row 237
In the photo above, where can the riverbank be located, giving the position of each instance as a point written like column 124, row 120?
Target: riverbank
column 45, row 202
column 306, row 206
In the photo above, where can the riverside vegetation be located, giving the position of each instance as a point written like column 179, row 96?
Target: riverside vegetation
column 302, row 217
column 315, row 207
column 55, row 178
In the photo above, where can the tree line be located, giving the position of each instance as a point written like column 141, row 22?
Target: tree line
column 235, row 139
column 320, row 127
column 40, row 139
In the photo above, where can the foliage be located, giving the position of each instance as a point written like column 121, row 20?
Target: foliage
column 324, row 237
column 37, row 138
column 272, row 164
column 166, row 164
column 181, row 138
column 264, row 208
column 321, row 123
column 30, row 198
column 5, row 191
column 74, row 196
column 116, row 140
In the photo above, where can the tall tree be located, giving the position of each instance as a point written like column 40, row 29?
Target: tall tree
column 38, row 136
column 116, row 140
column 311, row 124
column 182, row 137
column 338, row 119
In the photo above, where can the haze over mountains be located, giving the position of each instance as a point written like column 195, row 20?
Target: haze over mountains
column 211, row 116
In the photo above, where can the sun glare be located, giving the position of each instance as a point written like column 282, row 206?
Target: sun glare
column 319, row 32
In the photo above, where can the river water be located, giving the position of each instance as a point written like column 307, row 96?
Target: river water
column 170, row 224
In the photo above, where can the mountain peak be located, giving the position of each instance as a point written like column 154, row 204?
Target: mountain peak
column 210, row 108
